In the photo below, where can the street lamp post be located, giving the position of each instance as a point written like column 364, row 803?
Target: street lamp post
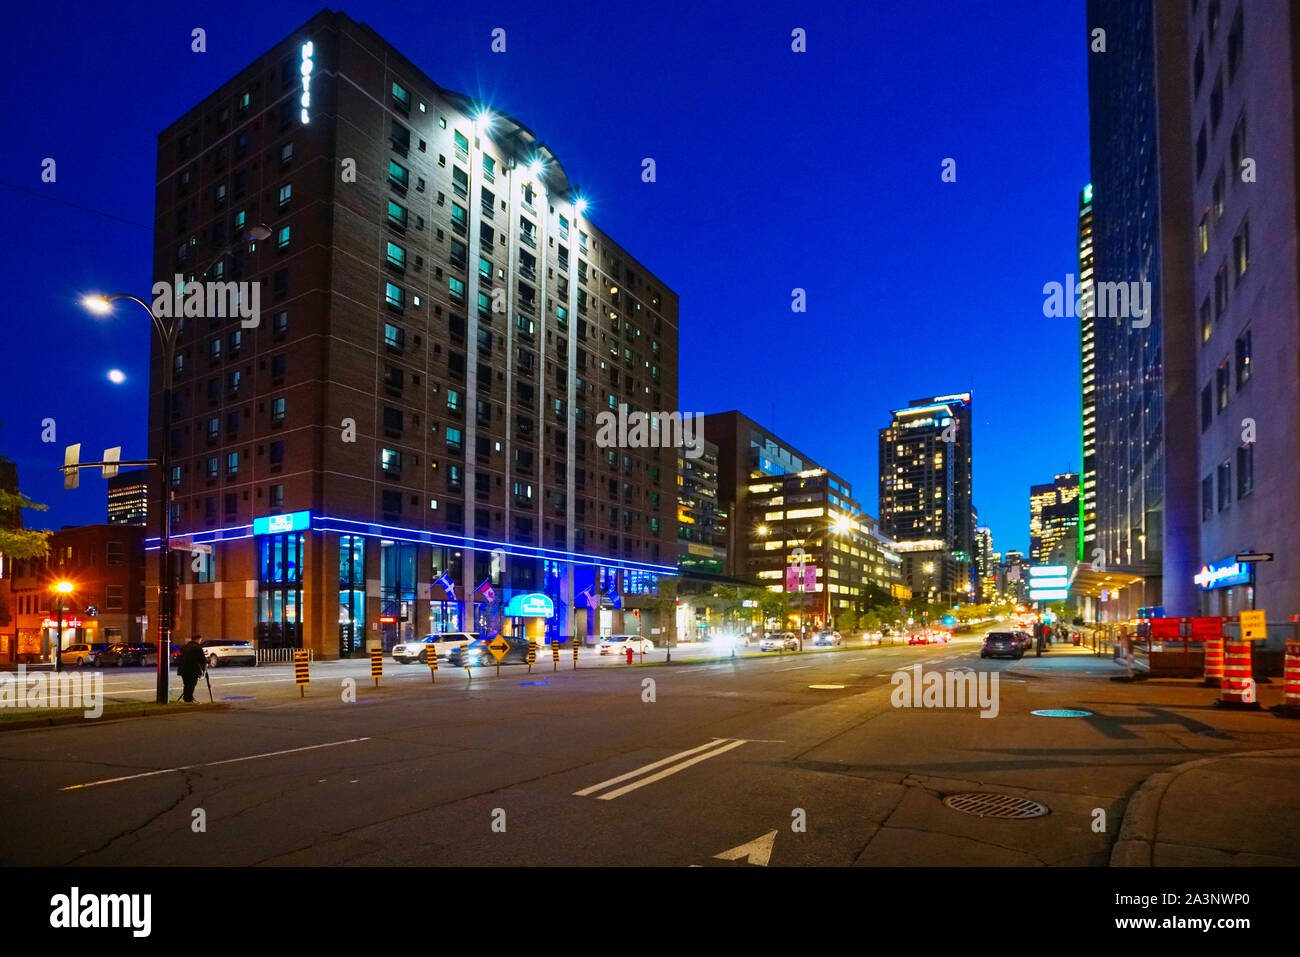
column 168, row 333
column 61, row 589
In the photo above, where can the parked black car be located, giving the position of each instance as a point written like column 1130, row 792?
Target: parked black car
column 123, row 655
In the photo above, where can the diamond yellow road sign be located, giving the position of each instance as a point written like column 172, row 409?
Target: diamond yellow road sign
column 498, row 646
column 1253, row 627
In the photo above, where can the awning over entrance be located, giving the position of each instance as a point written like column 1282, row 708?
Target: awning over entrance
column 1087, row 582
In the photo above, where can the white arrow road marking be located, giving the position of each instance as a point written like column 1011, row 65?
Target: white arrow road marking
column 212, row 764
column 757, row 852
column 717, row 746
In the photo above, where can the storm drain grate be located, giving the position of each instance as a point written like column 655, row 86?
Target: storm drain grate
column 995, row 805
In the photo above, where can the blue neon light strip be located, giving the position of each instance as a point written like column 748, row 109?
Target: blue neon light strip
column 347, row 526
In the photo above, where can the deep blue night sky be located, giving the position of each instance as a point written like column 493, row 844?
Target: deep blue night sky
column 776, row 170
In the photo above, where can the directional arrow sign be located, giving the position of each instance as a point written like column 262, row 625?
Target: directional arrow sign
column 498, row 646
column 1255, row 557
column 757, row 852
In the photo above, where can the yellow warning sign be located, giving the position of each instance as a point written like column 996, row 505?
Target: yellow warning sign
column 1253, row 625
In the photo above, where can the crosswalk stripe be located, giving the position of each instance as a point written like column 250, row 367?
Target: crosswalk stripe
column 658, row 764
column 666, row 772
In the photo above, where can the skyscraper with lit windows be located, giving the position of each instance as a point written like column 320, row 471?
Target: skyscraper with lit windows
column 925, row 493
column 413, row 413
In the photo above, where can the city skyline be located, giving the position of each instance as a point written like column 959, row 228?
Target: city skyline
column 672, row 436
column 867, row 380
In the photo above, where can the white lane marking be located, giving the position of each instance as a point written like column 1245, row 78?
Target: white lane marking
column 649, row 767
column 212, row 764
column 670, row 771
column 757, row 852
column 799, row 668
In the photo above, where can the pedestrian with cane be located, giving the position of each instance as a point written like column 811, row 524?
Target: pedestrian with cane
column 190, row 664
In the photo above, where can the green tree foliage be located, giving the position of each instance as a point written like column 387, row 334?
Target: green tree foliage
column 17, row 542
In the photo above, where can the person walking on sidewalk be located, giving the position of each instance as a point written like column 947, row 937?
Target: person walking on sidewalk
column 189, row 665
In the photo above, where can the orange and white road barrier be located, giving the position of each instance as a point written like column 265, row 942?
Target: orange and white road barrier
column 1213, row 662
column 1238, row 690
column 1290, row 706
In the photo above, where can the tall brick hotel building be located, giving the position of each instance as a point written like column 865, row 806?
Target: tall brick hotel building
column 439, row 326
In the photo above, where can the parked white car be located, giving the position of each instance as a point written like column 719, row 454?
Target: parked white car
column 412, row 651
column 228, row 651
column 617, row 644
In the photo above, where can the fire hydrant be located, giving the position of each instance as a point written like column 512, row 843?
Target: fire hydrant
column 629, row 654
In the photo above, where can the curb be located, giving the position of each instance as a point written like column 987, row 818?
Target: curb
column 60, row 720
column 1137, row 831
column 750, row 656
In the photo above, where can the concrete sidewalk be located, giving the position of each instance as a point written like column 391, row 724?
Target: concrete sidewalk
column 1229, row 810
column 1068, row 660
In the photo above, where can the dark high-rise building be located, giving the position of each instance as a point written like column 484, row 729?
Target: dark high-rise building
column 1086, row 500
column 780, row 501
column 440, row 321
column 1053, row 513
column 701, row 521
column 128, row 498
column 925, row 493
column 1244, row 92
column 1145, row 369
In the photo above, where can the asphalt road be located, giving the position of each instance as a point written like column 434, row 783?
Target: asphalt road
column 580, row 767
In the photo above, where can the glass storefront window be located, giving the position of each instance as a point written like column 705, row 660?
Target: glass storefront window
column 279, row 600
column 444, row 614
column 397, row 591
column 352, row 595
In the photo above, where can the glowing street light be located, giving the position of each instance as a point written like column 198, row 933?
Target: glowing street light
column 116, row 376
column 61, row 589
column 99, row 305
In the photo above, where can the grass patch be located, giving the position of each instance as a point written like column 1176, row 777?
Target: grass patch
column 15, row 718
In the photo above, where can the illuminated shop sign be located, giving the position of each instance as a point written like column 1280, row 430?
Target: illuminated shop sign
column 278, row 524
column 1224, row 573
column 533, row 605
column 306, row 69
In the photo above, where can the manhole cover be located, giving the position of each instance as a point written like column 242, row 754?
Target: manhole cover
column 1062, row 713
column 995, row 805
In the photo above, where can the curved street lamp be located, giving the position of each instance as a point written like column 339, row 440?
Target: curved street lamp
column 168, row 333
